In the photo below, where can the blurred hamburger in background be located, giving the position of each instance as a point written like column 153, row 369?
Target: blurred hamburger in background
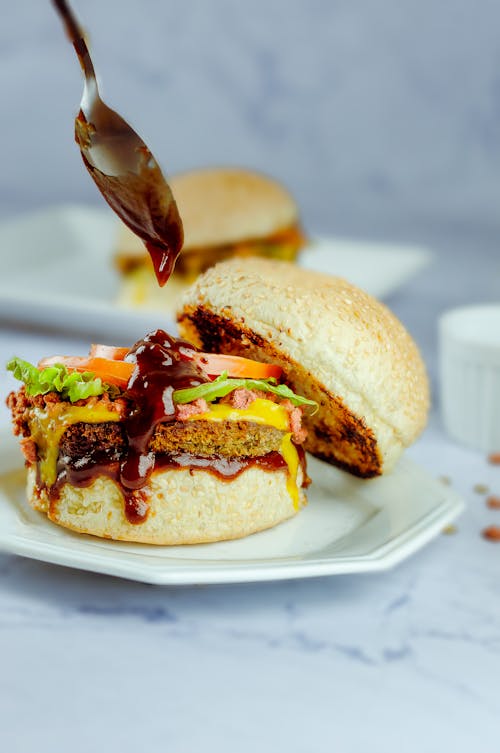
column 226, row 212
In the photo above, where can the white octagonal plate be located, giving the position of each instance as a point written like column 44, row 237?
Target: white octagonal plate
column 349, row 526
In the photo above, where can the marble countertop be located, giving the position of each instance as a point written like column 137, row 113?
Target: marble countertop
column 405, row 660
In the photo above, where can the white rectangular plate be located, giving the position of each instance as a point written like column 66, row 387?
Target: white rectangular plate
column 349, row 526
column 60, row 272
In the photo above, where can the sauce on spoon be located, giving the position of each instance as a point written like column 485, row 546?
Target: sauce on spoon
column 122, row 166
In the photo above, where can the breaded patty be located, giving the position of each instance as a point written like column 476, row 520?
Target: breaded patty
column 227, row 438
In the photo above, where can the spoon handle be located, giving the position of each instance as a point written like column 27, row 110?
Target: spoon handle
column 76, row 36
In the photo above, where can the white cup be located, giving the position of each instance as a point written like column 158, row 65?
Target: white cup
column 469, row 349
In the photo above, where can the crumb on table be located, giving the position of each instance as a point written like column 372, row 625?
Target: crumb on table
column 492, row 533
column 481, row 488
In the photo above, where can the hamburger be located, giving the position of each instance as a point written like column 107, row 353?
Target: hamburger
column 225, row 212
column 336, row 345
column 202, row 439
column 160, row 443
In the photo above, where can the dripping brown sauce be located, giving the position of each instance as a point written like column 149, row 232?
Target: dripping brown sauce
column 136, row 504
column 163, row 364
column 144, row 202
column 122, row 166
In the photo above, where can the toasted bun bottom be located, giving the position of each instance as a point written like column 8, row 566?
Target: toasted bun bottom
column 185, row 506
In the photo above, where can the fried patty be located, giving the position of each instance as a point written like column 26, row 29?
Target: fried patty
column 205, row 438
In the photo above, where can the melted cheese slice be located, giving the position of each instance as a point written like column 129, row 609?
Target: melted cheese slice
column 266, row 413
column 261, row 411
column 48, row 426
column 291, row 458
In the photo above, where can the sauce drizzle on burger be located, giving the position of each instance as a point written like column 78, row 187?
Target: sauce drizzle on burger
column 160, row 407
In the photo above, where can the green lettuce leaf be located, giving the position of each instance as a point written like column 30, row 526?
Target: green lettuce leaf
column 223, row 385
column 71, row 386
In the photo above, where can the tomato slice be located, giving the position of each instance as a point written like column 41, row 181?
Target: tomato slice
column 113, row 370
column 236, row 366
column 110, row 371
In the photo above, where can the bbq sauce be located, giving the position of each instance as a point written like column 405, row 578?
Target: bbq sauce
column 163, row 364
column 143, row 201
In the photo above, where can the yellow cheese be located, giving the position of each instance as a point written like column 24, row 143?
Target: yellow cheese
column 48, row 426
column 264, row 412
column 261, row 411
column 291, row 458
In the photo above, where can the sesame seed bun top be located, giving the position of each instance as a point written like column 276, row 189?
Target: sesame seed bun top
column 336, row 344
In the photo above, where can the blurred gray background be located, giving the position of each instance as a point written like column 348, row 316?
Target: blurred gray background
column 383, row 118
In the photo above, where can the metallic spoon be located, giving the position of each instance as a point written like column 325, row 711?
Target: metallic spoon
column 122, row 166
